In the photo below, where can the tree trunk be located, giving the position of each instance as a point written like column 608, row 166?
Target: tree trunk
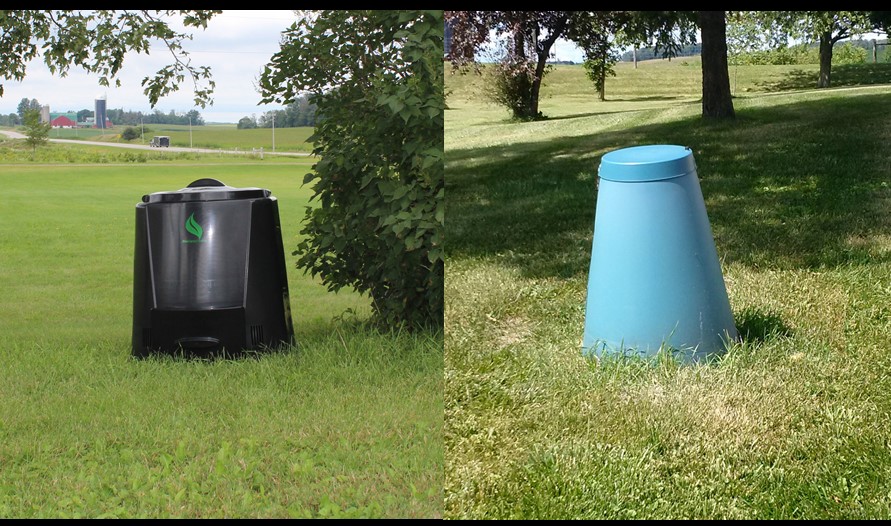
column 825, row 59
column 717, row 101
column 523, row 110
column 543, row 51
column 542, row 58
column 535, row 87
column 603, row 78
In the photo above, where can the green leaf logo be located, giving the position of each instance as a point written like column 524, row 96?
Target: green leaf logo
column 193, row 227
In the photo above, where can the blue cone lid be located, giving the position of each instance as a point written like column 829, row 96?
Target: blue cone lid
column 647, row 163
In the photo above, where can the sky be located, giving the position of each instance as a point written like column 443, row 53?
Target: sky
column 236, row 45
column 565, row 50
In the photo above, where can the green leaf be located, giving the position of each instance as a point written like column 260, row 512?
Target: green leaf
column 193, row 227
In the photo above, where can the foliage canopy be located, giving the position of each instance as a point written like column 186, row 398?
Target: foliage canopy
column 97, row 41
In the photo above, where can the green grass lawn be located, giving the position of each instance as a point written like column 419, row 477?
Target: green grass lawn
column 346, row 424
column 793, row 422
column 214, row 136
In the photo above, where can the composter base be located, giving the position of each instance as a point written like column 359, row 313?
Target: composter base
column 203, row 333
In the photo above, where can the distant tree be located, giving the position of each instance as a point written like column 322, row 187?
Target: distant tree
column 129, row 133
column 37, row 132
column 246, row 123
column 114, row 115
column 267, row 119
column 597, row 34
column 527, row 37
column 158, row 117
column 171, row 117
column 27, row 104
column 829, row 27
column 120, row 116
column 302, row 112
column 290, row 116
column 97, row 42
column 82, row 115
column 823, row 27
column 195, row 115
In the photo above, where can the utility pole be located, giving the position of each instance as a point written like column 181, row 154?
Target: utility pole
column 273, row 131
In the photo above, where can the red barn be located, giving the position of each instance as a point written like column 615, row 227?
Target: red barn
column 63, row 121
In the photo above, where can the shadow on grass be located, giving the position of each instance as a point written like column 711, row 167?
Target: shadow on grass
column 582, row 115
column 755, row 326
column 644, row 99
column 803, row 185
column 618, row 99
column 841, row 76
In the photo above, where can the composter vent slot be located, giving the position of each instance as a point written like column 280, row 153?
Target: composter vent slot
column 256, row 335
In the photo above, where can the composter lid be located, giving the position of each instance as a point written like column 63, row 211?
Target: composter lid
column 647, row 163
column 206, row 190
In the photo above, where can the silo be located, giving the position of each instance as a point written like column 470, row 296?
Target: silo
column 100, row 112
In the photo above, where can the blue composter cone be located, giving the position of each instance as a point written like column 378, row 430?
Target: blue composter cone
column 655, row 280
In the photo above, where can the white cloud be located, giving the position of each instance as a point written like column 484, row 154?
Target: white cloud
column 236, row 45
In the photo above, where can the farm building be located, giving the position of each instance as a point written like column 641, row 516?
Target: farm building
column 68, row 119
column 63, row 120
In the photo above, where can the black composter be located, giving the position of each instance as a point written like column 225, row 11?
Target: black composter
column 209, row 272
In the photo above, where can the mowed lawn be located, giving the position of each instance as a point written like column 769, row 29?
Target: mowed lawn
column 793, row 422
column 346, row 424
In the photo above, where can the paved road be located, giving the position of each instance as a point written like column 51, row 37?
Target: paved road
column 12, row 134
column 17, row 135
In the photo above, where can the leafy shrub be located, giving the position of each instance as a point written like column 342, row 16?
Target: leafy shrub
column 848, row 54
column 129, row 133
column 246, row 123
column 378, row 188
column 510, row 85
